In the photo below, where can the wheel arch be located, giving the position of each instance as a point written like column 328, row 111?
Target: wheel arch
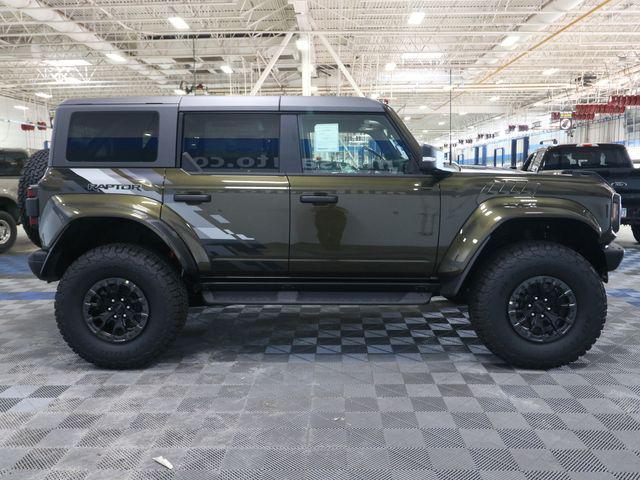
column 11, row 206
column 497, row 223
column 81, row 234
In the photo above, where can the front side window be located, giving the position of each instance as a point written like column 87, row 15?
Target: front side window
column 113, row 137
column 11, row 163
column 225, row 142
column 352, row 144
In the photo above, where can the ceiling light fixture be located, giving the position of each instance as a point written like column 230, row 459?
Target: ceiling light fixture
column 43, row 95
column 462, row 114
column 550, row 71
column 416, row 18
column 425, row 131
column 407, row 118
column 226, row 69
column 21, row 107
column 375, row 96
column 115, row 57
column 179, row 91
column 77, row 62
column 423, row 107
column 302, row 44
column 495, row 98
column 390, row 66
column 440, row 123
column 510, row 41
column 178, row 23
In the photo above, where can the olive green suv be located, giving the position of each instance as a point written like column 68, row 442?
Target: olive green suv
column 152, row 205
column 11, row 163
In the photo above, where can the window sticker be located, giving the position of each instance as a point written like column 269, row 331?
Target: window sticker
column 326, row 137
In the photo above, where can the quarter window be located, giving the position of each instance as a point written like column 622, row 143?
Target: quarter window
column 11, row 163
column 352, row 144
column 113, row 137
column 223, row 142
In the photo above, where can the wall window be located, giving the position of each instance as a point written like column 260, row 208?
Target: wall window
column 11, row 163
column 352, row 144
column 113, row 137
column 222, row 142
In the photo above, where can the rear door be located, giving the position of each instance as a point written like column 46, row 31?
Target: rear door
column 359, row 208
column 230, row 191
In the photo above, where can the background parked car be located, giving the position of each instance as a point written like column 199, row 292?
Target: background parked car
column 11, row 164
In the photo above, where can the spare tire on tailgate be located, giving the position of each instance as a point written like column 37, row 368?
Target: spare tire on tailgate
column 33, row 171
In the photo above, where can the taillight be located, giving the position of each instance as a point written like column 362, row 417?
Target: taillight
column 31, row 205
column 32, row 191
column 616, row 209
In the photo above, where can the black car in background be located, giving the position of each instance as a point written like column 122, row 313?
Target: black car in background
column 609, row 160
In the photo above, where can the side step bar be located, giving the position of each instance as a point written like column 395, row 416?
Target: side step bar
column 316, row 293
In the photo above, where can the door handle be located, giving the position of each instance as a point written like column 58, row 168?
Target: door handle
column 192, row 197
column 319, row 199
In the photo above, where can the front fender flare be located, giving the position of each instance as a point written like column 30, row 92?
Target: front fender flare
column 471, row 239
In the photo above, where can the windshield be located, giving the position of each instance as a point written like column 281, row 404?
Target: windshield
column 572, row 158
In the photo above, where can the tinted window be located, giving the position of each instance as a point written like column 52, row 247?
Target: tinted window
column 113, row 137
column 352, row 144
column 570, row 158
column 214, row 142
column 11, row 163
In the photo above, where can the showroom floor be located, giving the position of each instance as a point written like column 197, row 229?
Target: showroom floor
column 319, row 393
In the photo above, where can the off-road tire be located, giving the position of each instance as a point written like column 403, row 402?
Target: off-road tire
column 7, row 218
column 33, row 170
column 635, row 229
column 496, row 280
column 164, row 290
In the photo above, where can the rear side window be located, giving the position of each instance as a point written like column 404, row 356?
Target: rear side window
column 113, row 137
column 11, row 163
column 224, row 142
column 575, row 158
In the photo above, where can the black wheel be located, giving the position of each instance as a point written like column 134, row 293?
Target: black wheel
column 538, row 305
column 636, row 232
column 120, row 306
column 8, row 231
column 34, row 169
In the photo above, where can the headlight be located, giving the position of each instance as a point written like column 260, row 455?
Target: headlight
column 616, row 209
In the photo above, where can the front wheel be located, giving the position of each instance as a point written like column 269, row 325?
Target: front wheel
column 120, row 306
column 538, row 305
column 636, row 232
column 8, row 231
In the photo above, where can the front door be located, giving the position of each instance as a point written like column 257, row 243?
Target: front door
column 359, row 208
column 231, row 193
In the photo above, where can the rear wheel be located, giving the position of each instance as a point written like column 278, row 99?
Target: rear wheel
column 636, row 232
column 34, row 169
column 8, row 231
column 538, row 305
column 120, row 306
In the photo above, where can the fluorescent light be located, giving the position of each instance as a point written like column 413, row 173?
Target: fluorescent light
column 462, row 114
column 550, row 71
column 421, row 55
column 115, row 57
column 178, row 23
column 375, row 96
column 226, row 69
column 407, row 118
column 390, row 66
column 495, row 98
column 314, row 88
column 422, row 107
column 78, row 62
column 43, row 95
column 179, row 91
column 510, row 40
column 425, row 131
column 415, row 18
column 21, row 107
column 302, row 44
column 440, row 123
column 70, row 81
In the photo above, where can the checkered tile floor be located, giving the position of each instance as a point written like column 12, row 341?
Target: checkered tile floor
column 316, row 393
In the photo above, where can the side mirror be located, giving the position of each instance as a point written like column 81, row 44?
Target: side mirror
column 428, row 164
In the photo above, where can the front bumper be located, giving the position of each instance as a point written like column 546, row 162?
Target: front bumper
column 613, row 254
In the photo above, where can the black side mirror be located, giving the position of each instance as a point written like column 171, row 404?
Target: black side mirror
column 428, row 164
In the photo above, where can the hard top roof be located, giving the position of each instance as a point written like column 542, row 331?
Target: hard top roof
column 246, row 103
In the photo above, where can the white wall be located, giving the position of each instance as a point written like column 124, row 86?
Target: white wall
column 11, row 136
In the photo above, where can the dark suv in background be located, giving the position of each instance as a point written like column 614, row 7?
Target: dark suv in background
column 12, row 161
column 152, row 205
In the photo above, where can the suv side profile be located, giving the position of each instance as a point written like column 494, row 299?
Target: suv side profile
column 11, row 162
column 151, row 205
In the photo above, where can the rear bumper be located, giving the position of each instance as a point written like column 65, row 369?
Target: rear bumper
column 36, row 262
column 613, row 254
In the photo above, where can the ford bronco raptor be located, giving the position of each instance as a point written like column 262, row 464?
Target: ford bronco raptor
column 11, row 163
column 151, row 205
